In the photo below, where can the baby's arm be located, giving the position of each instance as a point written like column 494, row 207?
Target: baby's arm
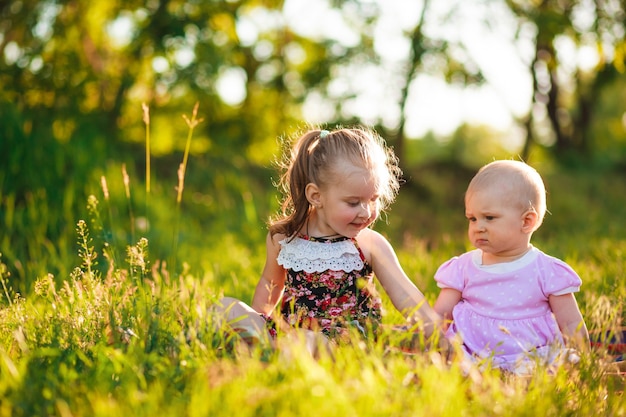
column 270, row 287
column 448, row 298
column 570, row 320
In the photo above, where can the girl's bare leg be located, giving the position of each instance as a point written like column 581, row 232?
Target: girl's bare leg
column 239, row 317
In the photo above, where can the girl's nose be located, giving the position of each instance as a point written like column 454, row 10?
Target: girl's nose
column 366, row 210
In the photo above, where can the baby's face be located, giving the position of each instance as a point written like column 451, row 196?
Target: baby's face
column 495, row 225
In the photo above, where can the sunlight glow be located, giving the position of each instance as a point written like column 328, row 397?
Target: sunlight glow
column 433, row 105
column 160, row 64
column 231, row 86
column 12, row 52
column 184, row 56
column 120, row 31
column 317, row 20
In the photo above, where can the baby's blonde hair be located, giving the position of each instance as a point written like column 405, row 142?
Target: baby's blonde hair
column 520, row 184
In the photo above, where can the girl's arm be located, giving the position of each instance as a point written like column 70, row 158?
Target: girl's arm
column 448, row 298
column 570, row 320
column 402, row 292
column 270, row 287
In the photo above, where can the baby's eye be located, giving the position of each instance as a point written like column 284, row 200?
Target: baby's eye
column 471, row 219
column 353, row 203
column 489, row 218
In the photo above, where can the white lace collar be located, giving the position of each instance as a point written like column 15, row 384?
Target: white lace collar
column 312, row 255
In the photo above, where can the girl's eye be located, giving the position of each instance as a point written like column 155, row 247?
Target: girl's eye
column 489, row 217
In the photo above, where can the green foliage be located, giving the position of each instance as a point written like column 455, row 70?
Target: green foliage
column 72, row 96
column 123, row 332
column 126, row 327
column 144, row 343
column 609, row 126
column 103, row 338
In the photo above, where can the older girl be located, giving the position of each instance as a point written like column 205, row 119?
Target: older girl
column 322, row 254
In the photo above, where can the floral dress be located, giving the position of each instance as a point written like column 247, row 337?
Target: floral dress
column 329, row 286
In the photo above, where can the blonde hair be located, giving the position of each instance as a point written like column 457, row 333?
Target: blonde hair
column 317, row 157
column 520, row 184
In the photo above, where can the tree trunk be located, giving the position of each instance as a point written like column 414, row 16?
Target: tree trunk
column 414, row 63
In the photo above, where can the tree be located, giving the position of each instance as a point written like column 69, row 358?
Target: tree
column 423, row 47
column 80, row 70
column 564, row 86
column 74, row 75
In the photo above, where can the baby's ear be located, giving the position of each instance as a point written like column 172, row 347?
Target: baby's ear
column 530, row 221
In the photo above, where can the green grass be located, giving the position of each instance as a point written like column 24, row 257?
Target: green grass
column 141, row 343
column 118, row 330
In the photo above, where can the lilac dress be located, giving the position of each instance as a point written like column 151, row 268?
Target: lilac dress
column 504, row 311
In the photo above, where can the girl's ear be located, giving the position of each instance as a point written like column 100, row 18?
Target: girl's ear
column 530, row 221
column 313, row 195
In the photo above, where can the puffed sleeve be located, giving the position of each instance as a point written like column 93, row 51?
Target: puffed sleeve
column 451, row 274
column 558, row 278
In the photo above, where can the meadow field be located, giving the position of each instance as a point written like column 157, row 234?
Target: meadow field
column 121, row 323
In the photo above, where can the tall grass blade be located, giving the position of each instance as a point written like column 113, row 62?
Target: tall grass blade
column 4, row 272
column 131, row 215
column 146, row 120
column 182, row 169
column 107, row 227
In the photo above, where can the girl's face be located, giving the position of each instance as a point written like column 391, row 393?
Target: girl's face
column 349, row 204
column 496, row 225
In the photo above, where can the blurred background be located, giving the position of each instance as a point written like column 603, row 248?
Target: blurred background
column 450, row 85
